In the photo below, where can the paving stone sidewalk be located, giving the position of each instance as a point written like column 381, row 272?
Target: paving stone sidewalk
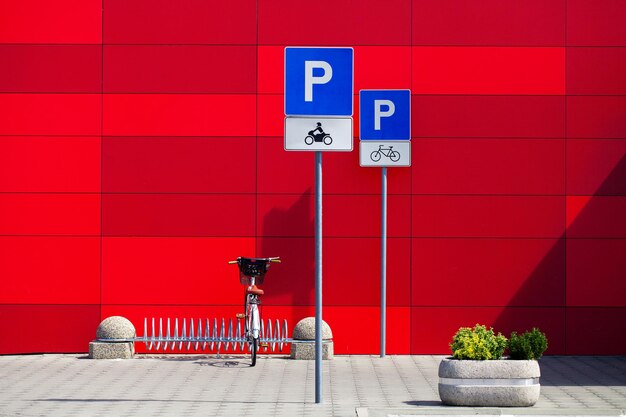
column 367, row 386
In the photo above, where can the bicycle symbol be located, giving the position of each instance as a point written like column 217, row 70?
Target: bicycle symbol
column 318, row 135
column 388, row 152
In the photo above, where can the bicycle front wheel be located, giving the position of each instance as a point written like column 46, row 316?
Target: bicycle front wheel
column 375, row 156
column 255, row 330
column 253, row 350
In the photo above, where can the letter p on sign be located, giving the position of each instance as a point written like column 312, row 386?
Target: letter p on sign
column 378, row 111
column 310, row 78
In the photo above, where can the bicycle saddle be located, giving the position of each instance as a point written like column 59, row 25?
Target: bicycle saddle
column 253, row 289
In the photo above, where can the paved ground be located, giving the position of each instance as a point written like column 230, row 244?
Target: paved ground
column 71, row 385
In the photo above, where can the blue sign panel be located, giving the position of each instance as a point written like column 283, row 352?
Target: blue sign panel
column 385, row 114
column 319, row 81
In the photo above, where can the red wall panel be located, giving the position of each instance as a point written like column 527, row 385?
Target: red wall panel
column 53, row 334
column 179, row 115
column 49, row 164
column 179, row 69
column 488, row 216
column 488, row 272
column 352, row 266
column 600, row 216
column 50, row 214
column 178, row 215
column 346, row 215
column 173, row 270
column 593, row 331
column 51, row 68
column 595, row 272
column 596, row 71
column 179, row 164
column 285, row 215
column 271, row 69
column 42, row 21
column 341, row 321
column 50, row 114
column 596, row 23
column 358, row 215
column 438, row 325
column 488, row 116
column 490, row 22
column 49, row 270
column 596, row 117
column 271, row 115
column 293, row 281
column 285, row 22
column 488, row 70
column 596, row 167
column 488, row 166
column 173, row 22
column 385, row 67
column 284, row 172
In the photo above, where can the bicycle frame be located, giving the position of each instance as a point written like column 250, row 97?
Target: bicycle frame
column 253, row 320
column 387, row 152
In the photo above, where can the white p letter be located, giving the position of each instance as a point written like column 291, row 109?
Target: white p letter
column 378, row 113
column 309, row 79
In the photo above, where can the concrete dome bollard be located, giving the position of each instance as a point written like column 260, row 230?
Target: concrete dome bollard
column 303, row 346
column 112, row 339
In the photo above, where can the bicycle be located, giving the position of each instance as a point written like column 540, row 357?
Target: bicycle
column 252, row 273
column 391, row 154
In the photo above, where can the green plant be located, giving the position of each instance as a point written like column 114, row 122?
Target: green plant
column 529, row 345
column 478, row 343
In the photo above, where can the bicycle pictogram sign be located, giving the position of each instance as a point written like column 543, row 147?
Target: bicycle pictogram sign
column 387, row 152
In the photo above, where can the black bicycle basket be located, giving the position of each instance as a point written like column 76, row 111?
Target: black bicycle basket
column 252, row 267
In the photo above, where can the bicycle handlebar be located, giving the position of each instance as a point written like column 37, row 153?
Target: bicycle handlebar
column 273, row 260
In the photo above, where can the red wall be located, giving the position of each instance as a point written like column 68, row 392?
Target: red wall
column 141, row 148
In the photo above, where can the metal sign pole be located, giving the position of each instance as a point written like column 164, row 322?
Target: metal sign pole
column 383, row 266
column 318, row 277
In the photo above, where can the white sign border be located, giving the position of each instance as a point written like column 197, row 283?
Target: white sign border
column 317, row 118
column 385, row 142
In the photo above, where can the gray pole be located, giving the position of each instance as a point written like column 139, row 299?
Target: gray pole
column 318, row 277
column 383, row 266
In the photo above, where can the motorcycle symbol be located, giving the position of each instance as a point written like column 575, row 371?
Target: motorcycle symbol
column 318, row 135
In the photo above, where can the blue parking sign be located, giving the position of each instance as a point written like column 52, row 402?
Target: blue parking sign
column 385, row 114
column 319, row 81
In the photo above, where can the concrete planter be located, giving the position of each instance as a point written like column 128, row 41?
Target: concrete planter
column 495, row 383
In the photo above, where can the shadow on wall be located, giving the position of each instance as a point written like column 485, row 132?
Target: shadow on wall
column 288, row 233
column 586, row 266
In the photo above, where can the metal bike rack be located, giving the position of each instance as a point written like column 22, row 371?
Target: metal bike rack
column 200, row 334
